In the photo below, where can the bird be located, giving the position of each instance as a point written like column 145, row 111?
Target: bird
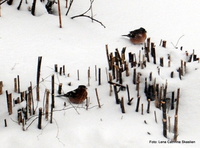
column 137, row 36
column 78, row 95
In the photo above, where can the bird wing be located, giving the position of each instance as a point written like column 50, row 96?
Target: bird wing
column 139, row 35
column 71, row 94
column 135, row 33
column 76, row 93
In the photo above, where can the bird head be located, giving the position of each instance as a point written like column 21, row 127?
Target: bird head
column 142, row 30
column 82, row 87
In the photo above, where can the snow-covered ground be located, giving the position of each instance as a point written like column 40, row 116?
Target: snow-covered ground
column 80, row 45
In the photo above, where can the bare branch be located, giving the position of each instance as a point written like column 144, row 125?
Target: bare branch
column 31, row 123
column 70, row 5
column 175, row 46
column 91, row 2
column 3, row 2
column 91, row 17
column 58, row 130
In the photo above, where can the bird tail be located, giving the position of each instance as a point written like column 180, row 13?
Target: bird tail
column 60, row 96
column 127, row 35
column 64, row 95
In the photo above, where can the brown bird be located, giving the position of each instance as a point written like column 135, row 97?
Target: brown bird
column 137, row 36
column 78, row 95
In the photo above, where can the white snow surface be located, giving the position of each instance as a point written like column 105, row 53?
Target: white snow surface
column 79, row 45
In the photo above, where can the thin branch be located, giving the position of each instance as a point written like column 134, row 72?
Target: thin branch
column 14, row 120
column 58, row 132
column 42, row 130
column 91, row 17
column 70, row 4
column 91, row 2
column 82, row 15
column 3, row 2
column 31, row 123
column 73, row 108
column 91, row 10
column 179, row 40
column 175, row 46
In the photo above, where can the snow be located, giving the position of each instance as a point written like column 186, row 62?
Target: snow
column 80, row 45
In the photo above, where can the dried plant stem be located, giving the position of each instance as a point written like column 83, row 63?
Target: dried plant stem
column 9, row 102
column 99, row 78
column 169, row 124
column 148, row 106
column 40, row 119
column 33, row 7
column 60, row 89
column 110, row 80
column 47, row 105
column 18, row 8
column 164, row 44
column 155, row 117
column 66, row 6
column 78, row 75
column 1, row 87
column 142, row 109
column 161, row 61
column 59, row 12
column 56, row 67
column 175, row 127
column 116, row 94
column 63, row 69
column 97, row 98
column 122, row 105
column 177, row 103
column 15, row 85
column 138, row 103
column 128, row 93
column 108, row 58
column 95, row 72
column 172, row 101
column 5, row 123
column 18, row 84
column 0, row 8
column 89, row 76
column 52, row 91
column 38, row 78
column 70, row 4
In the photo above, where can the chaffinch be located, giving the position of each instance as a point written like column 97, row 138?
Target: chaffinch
column 137, row 36
column 78, row 95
